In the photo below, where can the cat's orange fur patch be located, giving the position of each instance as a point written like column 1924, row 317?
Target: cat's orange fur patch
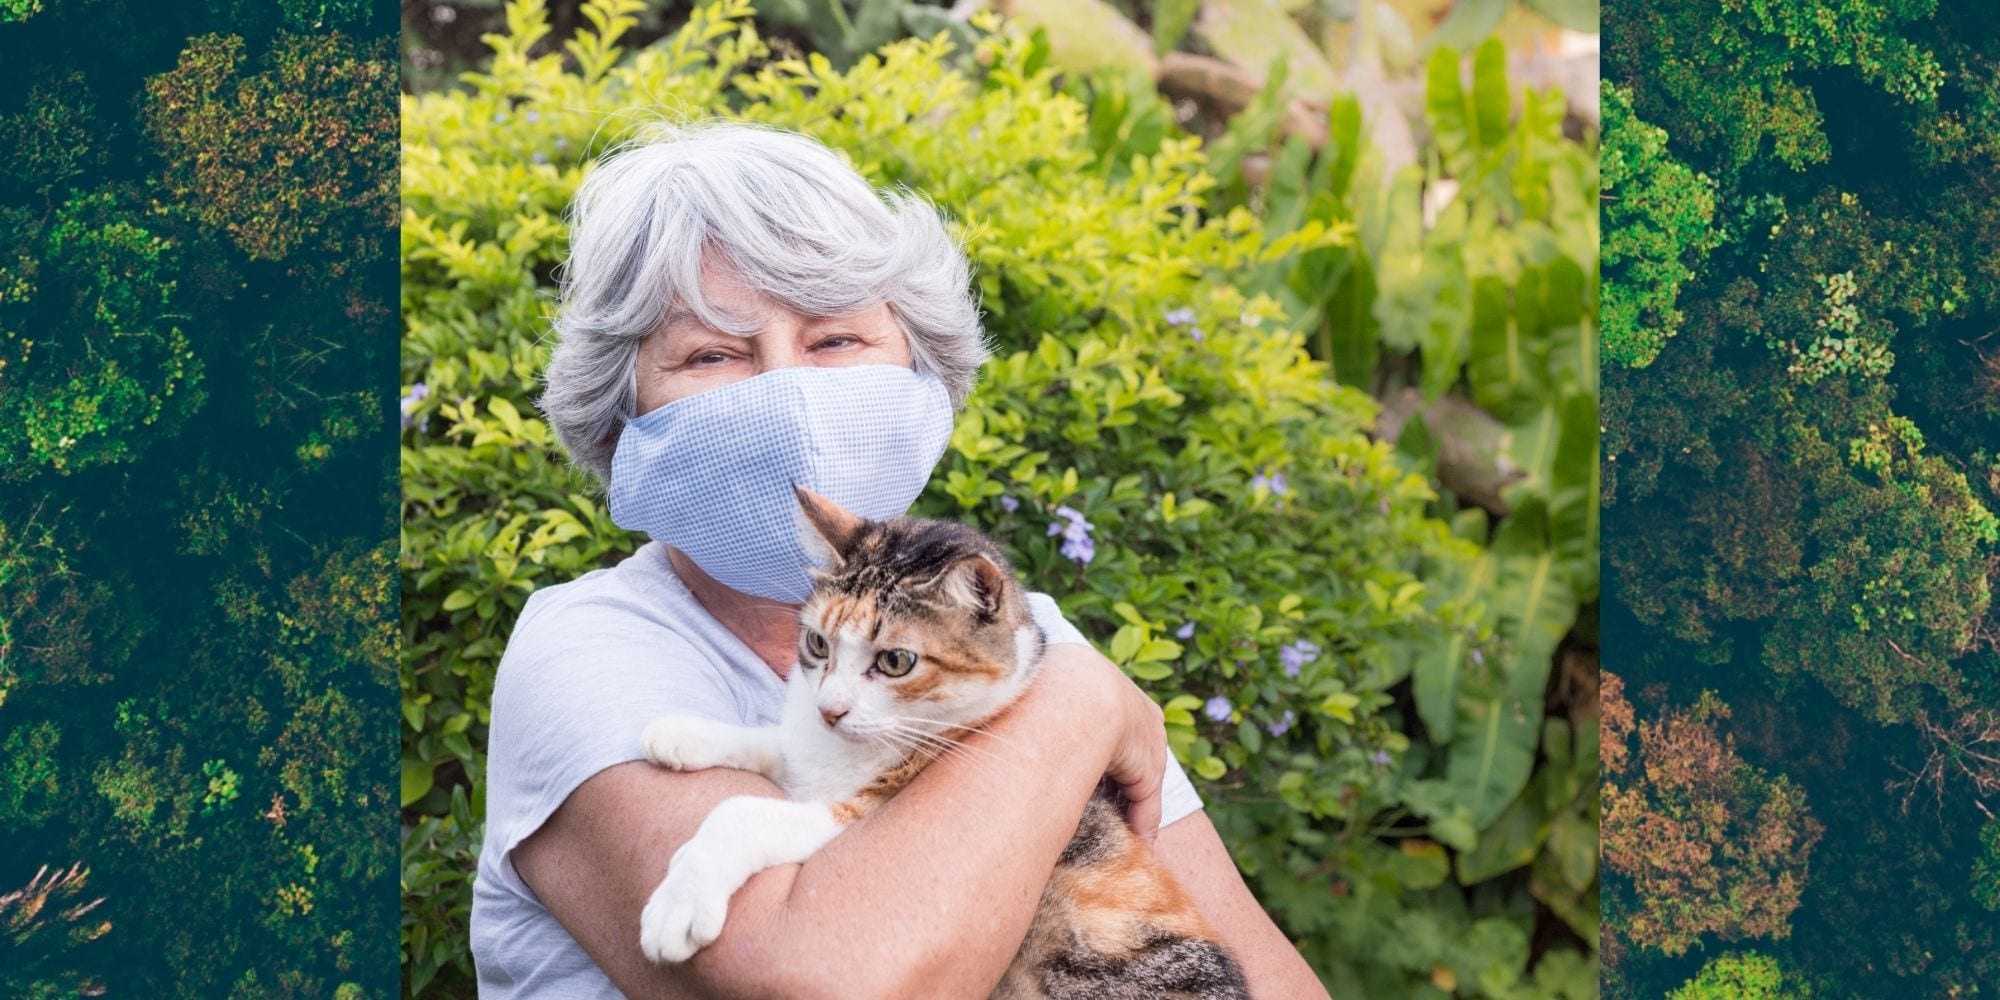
column 1117, row 901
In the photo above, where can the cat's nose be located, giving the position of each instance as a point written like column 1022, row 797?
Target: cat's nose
column 833, row 714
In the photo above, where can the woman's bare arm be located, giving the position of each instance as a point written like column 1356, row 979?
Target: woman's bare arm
column 1190, row 848
column 928, row 896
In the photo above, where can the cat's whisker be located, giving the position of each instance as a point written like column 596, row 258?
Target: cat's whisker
column 985, row 761
column 967, row 729
column 990, row 734
column 938, row 748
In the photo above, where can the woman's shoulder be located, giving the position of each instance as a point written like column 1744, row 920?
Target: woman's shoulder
column 635, row 585
column 612, row 642
column 610, row 619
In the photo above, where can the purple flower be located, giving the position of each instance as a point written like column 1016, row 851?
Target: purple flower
column 499, row 117
column 1180, row 317
column 1296, row 655
column 1282, row 726
column 1478, row 658
column 1009, row 504
column 1077, row 543
column 1380, row 757
column 1195, row 332
column 417, row 395
column 539, row 157
column 1218, row 709
column 561, row 144
column 1081, row 549
column 1275, row 482
column 533, row 117
column 1186, row 631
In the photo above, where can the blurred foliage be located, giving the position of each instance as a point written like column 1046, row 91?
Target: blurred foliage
column 1377, row 754
column 195, row 504
column 1801, row 481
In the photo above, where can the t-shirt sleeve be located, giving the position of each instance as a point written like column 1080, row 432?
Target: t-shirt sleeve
column 1177, row 794
column 576, row 687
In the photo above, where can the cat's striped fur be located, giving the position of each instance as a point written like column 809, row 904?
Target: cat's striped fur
column 1112, row 923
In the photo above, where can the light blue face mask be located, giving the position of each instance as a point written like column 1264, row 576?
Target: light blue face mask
column 712, row 474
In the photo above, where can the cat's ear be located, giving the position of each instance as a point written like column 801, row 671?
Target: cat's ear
column 827, row 526
column 974, row 583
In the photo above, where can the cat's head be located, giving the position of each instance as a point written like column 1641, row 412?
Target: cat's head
column 912, row 626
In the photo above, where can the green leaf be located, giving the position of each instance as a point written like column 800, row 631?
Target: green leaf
column 1574, row 495
column 1441, row 657
column 1532, row 599
column 1511, row 842
column 417, row 780
column 1573, row 844
column 1171, row 19
column 1576, row 15
column 1468, row 22
column 1495, row 750
column 1490, row 101
column 1506, row 374
column 1351, row 325
column 1126, row 642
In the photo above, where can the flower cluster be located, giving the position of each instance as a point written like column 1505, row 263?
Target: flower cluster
column 1283, row 725
column 1184, row 317
column 1077, row 543
column 1275, row 482
column 418, row 393
column 1294, row 656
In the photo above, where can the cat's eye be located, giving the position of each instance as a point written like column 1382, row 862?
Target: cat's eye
column 895, row 662
column 815, row 644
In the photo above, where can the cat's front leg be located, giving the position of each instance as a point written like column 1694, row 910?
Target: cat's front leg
column 692, row 743
column 741, row 837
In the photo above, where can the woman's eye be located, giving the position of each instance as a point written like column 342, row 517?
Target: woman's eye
column 895, row 662
column 710, row 358
column 837, row 341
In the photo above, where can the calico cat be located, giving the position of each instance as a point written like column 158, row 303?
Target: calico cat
column 916, row 635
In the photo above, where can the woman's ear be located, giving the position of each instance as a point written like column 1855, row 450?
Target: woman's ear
column 829, row 529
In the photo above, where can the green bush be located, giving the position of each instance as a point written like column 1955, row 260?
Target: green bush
column 94, row 366
column 1231, row 481
column 1657, row 223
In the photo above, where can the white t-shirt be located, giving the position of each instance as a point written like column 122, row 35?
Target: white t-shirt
column 589, row 664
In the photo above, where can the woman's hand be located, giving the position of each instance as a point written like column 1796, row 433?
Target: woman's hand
column 1135, row 729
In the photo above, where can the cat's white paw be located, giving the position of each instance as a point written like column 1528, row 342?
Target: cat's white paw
column 680, row 742
column 685, row 914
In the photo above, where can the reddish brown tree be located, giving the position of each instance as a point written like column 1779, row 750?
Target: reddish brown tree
column 1696, row 841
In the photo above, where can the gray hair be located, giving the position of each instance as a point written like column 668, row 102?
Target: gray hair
column 787, row 216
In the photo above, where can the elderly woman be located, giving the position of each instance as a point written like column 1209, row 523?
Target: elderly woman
column 735, row 256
